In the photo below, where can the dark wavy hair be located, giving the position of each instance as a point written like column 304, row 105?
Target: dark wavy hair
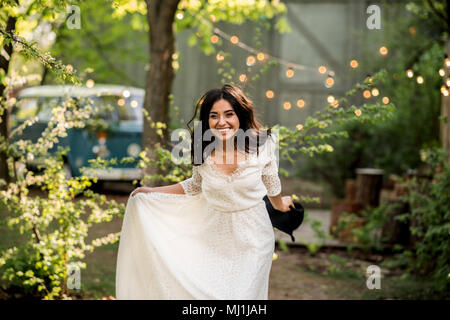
column 244, row 109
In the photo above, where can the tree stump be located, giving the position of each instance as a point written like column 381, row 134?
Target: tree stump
column 394, row 231
column 368, row 186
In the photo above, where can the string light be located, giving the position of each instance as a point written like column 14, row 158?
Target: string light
column 134, row 103
column 335, row 104
column 270, row 94
column 330, row 99
column 447, row 62
column 251, row 61
column 354, row 64
column 234, row 39
column 286, row 105
column 448, row 82
column 385, row 100
column 220, row 57
column 121, row 102
column 300, row 103
column 358, row 112
column 90, row 83
column 383, row 51
column 174, row 56
column 322, row 69
column 366, row 94
column 441, row 72
column 329, row 82
column 444, row 91
column 409, row 73
column 419, row 79
column 126, row 93
column 214, row 39
column 299, row 127
column 260, row 56
column 242, row 78
column 289, row 73
column 180, row 15
column 375, row 92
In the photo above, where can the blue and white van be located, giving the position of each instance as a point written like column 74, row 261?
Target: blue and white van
column 122, row 138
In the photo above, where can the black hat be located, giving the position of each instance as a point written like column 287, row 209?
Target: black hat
column 288, row 221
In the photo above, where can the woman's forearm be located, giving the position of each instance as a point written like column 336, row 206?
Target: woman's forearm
column 174, row 188
column 276, row 201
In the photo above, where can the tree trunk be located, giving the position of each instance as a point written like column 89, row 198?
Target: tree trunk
column 160, row 17
column 4, row 124
column 445, row 110
column 445, row 104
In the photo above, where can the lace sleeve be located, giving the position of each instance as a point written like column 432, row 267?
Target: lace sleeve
column 193, row 185
column 270, row 176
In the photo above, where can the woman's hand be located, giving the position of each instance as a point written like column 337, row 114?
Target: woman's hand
column 287, row 204
column 141, row 189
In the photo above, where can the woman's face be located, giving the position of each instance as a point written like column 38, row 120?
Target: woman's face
column 223, row 121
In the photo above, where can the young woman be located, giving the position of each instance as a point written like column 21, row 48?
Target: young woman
column 209, row 236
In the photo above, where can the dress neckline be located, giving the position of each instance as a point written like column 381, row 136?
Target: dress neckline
column 240, row 166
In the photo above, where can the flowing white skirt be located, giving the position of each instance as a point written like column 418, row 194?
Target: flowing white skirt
column 176, row 247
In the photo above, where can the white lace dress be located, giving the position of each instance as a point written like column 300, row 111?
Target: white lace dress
column 214, row 242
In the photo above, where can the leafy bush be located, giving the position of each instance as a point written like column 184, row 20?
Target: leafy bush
column 56, row 224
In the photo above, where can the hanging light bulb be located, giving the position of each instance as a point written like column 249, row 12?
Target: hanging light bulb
column 447, row 62
column 299, row 127
column 385, row 100
column 329, row 82
column 242, row 78
column 300, row 103
column 270, row 94
column 234, row 39
column 335, row 104
column 220, row 57
column 286, row 105
column 441, row 72
column 419, row 79
column 251, row 61
column 289, row 73
column 448, row 82
column 383, row 51
column 444, row 91
column 409, row 73
column 367, row 94
column 214, row 38
column 90, row 83
column 260, row 56
column 354, row 64
column 358, row 112
column 375, row 92
column 330, row 99
column 180, row 15
column 322, row 69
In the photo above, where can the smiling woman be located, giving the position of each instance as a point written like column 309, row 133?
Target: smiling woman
column 209, row 236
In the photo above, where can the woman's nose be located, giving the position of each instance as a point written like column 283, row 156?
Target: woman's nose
column 221, row 120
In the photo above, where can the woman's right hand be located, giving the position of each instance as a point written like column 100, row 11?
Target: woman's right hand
column 141, row 189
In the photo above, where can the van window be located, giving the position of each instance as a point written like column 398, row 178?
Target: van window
column 116, row 108
column 28, row 107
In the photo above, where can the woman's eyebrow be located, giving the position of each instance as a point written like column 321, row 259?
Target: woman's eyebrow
column 224, row 111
